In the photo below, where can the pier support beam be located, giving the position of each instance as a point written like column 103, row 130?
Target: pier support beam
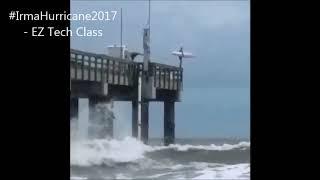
column 135, row 119
column 74, row 108
column 169, row 125
column 145, row 121
column 100, row 119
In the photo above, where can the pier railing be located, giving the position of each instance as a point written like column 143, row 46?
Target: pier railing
column 166, row 77
column 86, row 66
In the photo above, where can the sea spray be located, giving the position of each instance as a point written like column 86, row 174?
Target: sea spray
column 94, row 124
column 122, row 122
column 83, row 120
column 103, row 151
column 101, row 122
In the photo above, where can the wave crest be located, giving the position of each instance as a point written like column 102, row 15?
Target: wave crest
column 130, row 150
column 212, row 147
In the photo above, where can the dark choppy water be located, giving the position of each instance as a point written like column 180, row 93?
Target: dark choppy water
column 187, row 159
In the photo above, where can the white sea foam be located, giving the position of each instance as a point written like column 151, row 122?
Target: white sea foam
column 122, row 176
column 97, row 152
column 202, row 170
column 237, row 171
column 78, row 178
column 157, row 175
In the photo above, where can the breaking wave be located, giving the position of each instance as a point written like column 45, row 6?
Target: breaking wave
column 212, row 147
column 131, row 159
column 129, row 150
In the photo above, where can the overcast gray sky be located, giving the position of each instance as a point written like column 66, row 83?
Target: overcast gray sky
column 216, row 96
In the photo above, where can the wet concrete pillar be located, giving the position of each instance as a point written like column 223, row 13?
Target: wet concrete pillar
column 145, row 121
column 169, row 125
column 74, row 108
column 135, row 119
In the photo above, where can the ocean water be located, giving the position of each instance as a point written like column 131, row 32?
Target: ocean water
column 128, row 158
